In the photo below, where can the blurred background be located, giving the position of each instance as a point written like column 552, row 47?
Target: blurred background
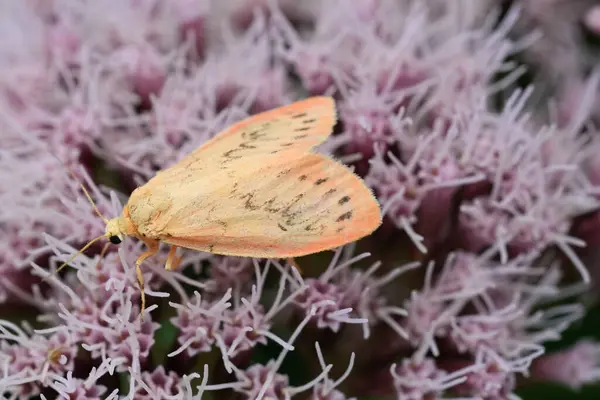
column 474, row 122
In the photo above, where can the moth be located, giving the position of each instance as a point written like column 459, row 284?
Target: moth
column 255, row 190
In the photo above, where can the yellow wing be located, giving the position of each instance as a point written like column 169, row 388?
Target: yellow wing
column 304, row 205
column 257, row 190
column 275, row 134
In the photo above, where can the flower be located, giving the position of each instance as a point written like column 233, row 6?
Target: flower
column 485, row 168
column 574, row 366
column 29, row 363
column 159, row 384
column 422, row 379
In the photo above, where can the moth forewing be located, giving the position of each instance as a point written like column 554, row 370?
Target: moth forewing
column 307, row 205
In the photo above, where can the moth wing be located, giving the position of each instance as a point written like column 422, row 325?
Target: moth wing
column 275, row 134
column 305, row 205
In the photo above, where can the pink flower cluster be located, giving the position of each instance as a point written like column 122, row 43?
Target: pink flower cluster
column 490, row 193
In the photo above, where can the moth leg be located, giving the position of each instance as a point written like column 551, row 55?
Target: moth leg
column 102, row 253
column 294, row 264
column 152, row 249
column 172, row 260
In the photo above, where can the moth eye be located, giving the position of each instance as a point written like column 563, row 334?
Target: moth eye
column 114, row 239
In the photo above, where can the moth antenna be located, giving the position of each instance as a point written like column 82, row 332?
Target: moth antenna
column 87, row 195
column 84, row 248
column 85, row 192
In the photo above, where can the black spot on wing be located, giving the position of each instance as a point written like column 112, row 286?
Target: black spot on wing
column 344, row 200
column 304, row 128
column 249, row 204
column 234, row 190
column 252, row 135
column 315, row 228
column 291, row 213
column 283, row 228
column 311, row 228
column 229, row 154
column 345, row 216
column 284, row 172
column 234, row 154
column 269, row 206
column 299, row 115
column 321, row 181
column 287, row 210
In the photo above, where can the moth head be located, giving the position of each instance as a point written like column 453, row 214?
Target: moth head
column 113, row 231
column 113, row 228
